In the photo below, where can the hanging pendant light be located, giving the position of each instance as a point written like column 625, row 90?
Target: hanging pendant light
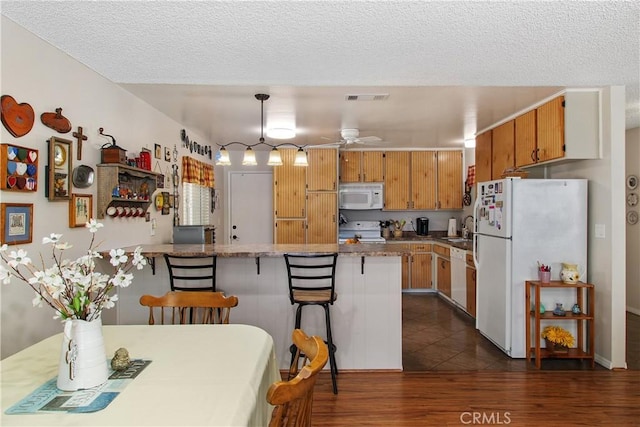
column 222, row 158
column 301, row 158
column 275, row 159
column 249, row 157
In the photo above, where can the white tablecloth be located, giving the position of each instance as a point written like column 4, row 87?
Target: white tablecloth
column 200, row 375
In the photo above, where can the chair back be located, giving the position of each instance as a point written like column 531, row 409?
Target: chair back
column 293, row 400
column 189, row 307
column 191, row 273
column 312, row 277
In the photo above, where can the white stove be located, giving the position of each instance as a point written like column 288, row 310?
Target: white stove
column 365, row 231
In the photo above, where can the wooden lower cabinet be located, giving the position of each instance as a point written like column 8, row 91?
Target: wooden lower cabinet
column 406, row 271
column 471, row 291
column 444, row 276
column 290, row 231
column 421, row 276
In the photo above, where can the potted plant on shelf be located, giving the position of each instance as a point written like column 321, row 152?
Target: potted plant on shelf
column 558, row 340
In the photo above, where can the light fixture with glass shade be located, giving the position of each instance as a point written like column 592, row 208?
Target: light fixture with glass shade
column 249, row 158
column 222, row 158
column 301, row 158
column 275, row 159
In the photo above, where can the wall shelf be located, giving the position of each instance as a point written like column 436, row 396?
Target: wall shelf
column 137, row 184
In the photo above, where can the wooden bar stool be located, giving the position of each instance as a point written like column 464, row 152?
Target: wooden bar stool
column 312, row 279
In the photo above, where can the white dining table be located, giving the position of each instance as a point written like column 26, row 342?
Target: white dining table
column 199, row 375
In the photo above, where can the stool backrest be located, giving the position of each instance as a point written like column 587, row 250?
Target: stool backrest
column 191, row 273
column 293, row 399
column 189, row 307
column 310, row 273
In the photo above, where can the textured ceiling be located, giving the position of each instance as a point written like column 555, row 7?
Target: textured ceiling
column 451, row 68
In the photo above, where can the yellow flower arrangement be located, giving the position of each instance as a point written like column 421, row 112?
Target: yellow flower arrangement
column 558, row 335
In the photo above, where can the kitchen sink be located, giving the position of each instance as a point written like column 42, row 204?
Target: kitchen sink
column 457, row 239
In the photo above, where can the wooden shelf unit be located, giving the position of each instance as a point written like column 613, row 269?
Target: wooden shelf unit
column 583, row 350
column 112, row 175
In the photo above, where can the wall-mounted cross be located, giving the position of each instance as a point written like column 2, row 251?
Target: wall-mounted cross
column 80, row 137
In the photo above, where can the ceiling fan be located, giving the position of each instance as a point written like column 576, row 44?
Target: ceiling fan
column 352, row 136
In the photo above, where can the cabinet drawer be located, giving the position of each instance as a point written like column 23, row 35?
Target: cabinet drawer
column 421, row 247
column 441, row 250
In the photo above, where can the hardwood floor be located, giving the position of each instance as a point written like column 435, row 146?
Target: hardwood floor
column 454, row 377
column 567, row 398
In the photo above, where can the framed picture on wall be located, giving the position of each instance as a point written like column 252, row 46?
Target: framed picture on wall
column 157, row 150
column 80, row 209
column 59, row 169
column 16, row 220
column 167, row 154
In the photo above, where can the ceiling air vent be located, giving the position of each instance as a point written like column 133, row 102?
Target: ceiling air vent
column 367, row 97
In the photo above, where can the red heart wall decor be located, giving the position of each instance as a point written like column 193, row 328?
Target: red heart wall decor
column 17, row 118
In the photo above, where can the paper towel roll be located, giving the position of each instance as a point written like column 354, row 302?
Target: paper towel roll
column 452, row 230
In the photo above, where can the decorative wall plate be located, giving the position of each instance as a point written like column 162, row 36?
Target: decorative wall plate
column 632, row 182
column 632, row 217
column 17, row 118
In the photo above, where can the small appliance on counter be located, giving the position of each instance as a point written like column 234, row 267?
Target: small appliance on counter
column 194, row 234
column 422, row 226
column 452, row 229
column 363, row 231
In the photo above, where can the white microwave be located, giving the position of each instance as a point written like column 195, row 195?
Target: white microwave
column 360, row 196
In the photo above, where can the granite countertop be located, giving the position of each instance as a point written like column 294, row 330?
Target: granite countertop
column 433, row 237
column 270, row 250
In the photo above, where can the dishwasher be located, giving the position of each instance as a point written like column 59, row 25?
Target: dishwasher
column 459, row 276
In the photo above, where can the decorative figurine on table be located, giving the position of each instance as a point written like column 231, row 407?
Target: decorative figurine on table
column 559, row 310
column 576, row 309
column 121, row 360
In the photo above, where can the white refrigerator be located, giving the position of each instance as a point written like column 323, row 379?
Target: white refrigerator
column 518, row 223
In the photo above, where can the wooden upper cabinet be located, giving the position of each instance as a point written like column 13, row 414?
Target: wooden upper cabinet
column 372, row 166
column 424, row 166
column 322, row 226
column 449, row 179
column 397, row 180
column 550, row 130
column 361, row 166
column 483, row 157
column 322, row 170
column 525, row 139
column 290, row 231
column 503, row 144
column 289, row 187
column 350, row 166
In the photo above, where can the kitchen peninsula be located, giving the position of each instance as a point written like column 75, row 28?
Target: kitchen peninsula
column 366, row 318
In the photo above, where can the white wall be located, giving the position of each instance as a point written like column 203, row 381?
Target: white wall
column 606, row 258
column 633, row 231
column 39, row 74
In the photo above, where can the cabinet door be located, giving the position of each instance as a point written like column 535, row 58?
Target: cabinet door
column 444, row 276
column 525, row 130
column 471, row 291
column 423, row 180
column 396, row 180
column 350, row 166
column 322, row 170
column 421, row 271
column 449, row 179
column 483, row 156
column 406, row 268
column 289, row 187
column 290, row 231
column 503, row 147
column 372, row 166
column 321, row 218
column 550, row 130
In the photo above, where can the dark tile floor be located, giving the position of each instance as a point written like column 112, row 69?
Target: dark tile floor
column 439, row 337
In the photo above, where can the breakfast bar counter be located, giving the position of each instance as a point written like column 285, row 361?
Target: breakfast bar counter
column 366, row 317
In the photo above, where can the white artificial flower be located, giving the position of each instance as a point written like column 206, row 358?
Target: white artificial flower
column 18, row 257
column 121, row 279
column 62, row 245
column 118, row 257
column 4, row 247
column 53, row 238
column 5, row 276
column 138, row 260
column 37, row 301
column 93, row 225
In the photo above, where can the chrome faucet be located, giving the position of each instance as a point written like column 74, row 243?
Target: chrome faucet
column 466, row 230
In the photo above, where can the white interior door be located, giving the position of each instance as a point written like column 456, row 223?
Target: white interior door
column 251, row 207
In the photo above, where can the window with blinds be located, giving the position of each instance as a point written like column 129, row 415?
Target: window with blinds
column 196, row 204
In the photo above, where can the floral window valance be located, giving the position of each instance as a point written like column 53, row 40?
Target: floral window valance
column 197, row 172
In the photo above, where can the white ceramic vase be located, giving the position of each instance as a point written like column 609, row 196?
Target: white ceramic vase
column 83, row 360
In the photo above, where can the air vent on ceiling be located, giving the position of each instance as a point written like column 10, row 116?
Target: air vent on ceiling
column 367, row 97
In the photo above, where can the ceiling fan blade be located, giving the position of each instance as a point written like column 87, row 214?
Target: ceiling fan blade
column 367, row 139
